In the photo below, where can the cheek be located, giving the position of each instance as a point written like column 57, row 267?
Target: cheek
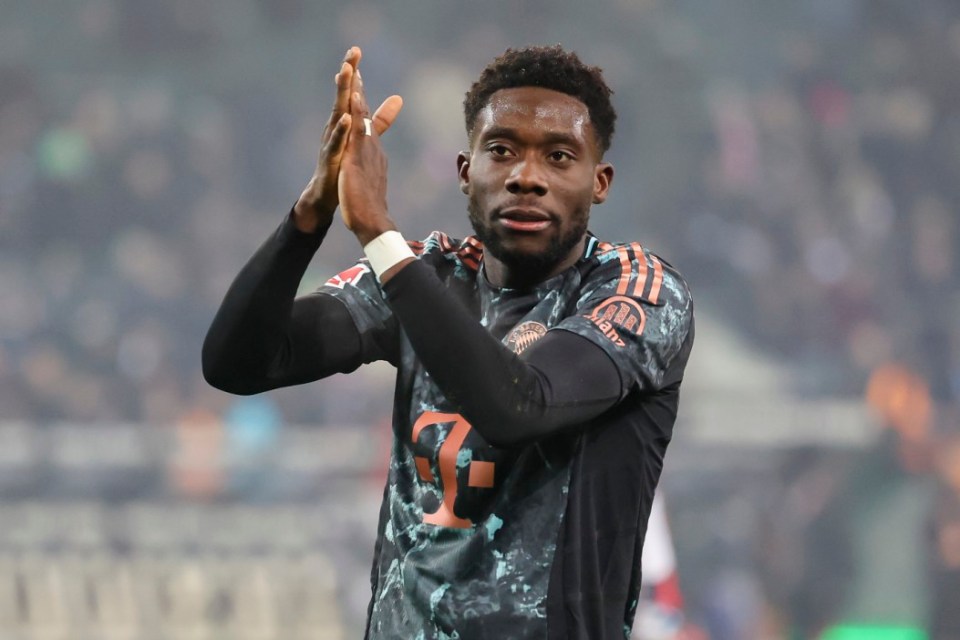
column 482, row 178
column 579, row 189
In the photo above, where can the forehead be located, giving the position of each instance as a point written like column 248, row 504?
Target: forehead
column 535, row 110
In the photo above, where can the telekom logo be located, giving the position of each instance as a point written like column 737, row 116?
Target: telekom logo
column 480, row 475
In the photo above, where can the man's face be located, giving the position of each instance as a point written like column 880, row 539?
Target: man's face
column 533, row 171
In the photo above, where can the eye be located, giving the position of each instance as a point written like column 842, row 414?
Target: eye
column 499, row 150
column 560, row 156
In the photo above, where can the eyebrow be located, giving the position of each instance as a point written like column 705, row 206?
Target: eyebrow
column 549, row 137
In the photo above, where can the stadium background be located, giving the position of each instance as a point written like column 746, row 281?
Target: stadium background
column 797, row 161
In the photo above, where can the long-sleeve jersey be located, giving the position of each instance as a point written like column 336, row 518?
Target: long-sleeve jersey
column 529, row 425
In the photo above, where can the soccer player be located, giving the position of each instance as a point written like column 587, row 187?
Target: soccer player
column 538, row 368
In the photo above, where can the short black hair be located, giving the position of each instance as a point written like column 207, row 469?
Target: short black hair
column 550, row 68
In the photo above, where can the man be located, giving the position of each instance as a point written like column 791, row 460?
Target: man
column 538, row 369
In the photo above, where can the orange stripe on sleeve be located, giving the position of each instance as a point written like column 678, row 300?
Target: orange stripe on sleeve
column 470, row 252
column 641, row 270
column 624, row 271
column 657, row 279
column 470, row 256
column 471, row 249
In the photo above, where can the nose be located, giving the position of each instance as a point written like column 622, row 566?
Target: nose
column 527, row 177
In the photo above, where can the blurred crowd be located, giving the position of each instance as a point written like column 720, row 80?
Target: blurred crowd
column 807, row 188
column 798, row 162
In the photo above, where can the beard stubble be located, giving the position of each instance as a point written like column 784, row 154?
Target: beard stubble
column 532, row 264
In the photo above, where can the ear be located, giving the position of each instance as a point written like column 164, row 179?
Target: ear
column 602, row 178
column 463, row 170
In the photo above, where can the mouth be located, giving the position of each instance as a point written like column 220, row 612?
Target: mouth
column 524, row 219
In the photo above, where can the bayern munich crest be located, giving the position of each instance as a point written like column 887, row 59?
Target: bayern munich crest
column 524, row 335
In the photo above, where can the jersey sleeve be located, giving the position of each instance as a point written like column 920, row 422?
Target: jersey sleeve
column 358, row 289
column 264, row 337
column 361, row 292
column 639, row 311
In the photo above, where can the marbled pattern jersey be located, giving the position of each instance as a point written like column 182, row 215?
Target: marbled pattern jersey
column 543, row 540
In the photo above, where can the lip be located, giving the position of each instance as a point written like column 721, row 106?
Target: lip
column 524, row 219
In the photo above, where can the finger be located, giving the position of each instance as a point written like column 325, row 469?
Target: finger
column 338, row 140
column 360, row 113
column 358, row 104
column 344, row 84
column 353, row 59
column 386, row 114
column 358, row 91
column 353, row 56
column 341, row 104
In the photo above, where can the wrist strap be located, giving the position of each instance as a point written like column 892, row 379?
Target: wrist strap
column 386, row 250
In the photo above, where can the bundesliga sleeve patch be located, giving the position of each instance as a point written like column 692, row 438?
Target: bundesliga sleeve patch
column 616, row 315
column 348, row 276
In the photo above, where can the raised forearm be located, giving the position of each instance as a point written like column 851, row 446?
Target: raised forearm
column 508, row 399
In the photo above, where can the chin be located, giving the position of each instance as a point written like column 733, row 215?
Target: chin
column 525, row 261
column 534, row 254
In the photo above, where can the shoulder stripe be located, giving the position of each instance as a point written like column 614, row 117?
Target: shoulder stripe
column 470, row 253
column 642, row 270
column 416, row 246
column 641, row 274
column 625, row 269
column 627, row 254
column 657, row 279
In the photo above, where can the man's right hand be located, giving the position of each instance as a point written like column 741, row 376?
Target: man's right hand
column 318, row 202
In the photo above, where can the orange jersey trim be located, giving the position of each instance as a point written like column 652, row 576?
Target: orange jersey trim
column 657, row 279
column 470, row 253
column 625, row 269
column 638, row 274
column 642, row 270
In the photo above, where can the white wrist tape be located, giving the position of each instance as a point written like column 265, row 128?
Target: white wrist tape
column 386, row 250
